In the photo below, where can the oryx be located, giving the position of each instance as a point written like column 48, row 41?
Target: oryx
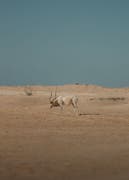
column 61, row 101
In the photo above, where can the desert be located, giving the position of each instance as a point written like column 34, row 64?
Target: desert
column 37, row 142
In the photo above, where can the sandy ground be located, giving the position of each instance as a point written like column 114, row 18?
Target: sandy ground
column 38, row 143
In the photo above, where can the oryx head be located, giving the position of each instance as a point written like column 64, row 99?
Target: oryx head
column 52, row 98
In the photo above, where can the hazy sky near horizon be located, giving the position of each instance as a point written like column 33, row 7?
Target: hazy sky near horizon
column 64, row 41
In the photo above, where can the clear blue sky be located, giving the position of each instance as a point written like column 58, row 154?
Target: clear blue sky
column 64, row 41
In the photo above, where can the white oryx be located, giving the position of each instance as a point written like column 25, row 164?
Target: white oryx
column 61, row 101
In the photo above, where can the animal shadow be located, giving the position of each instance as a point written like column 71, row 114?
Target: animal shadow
column 87, row 114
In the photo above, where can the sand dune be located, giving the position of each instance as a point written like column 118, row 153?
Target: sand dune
column 39, row 143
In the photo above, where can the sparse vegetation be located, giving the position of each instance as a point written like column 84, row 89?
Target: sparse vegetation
column 113, row 98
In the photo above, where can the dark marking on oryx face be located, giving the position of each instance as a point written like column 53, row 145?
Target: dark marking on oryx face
column 54, row 103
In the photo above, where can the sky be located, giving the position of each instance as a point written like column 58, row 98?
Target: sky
column 53, row 42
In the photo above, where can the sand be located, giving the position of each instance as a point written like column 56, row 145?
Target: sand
column 41, row 143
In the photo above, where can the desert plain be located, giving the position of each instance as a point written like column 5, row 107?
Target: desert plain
column 39, row 143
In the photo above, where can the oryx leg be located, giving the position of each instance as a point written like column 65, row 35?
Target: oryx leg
column 75, row 107
column 61, row 106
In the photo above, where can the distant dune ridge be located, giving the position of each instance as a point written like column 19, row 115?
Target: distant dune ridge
column 12, row 90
